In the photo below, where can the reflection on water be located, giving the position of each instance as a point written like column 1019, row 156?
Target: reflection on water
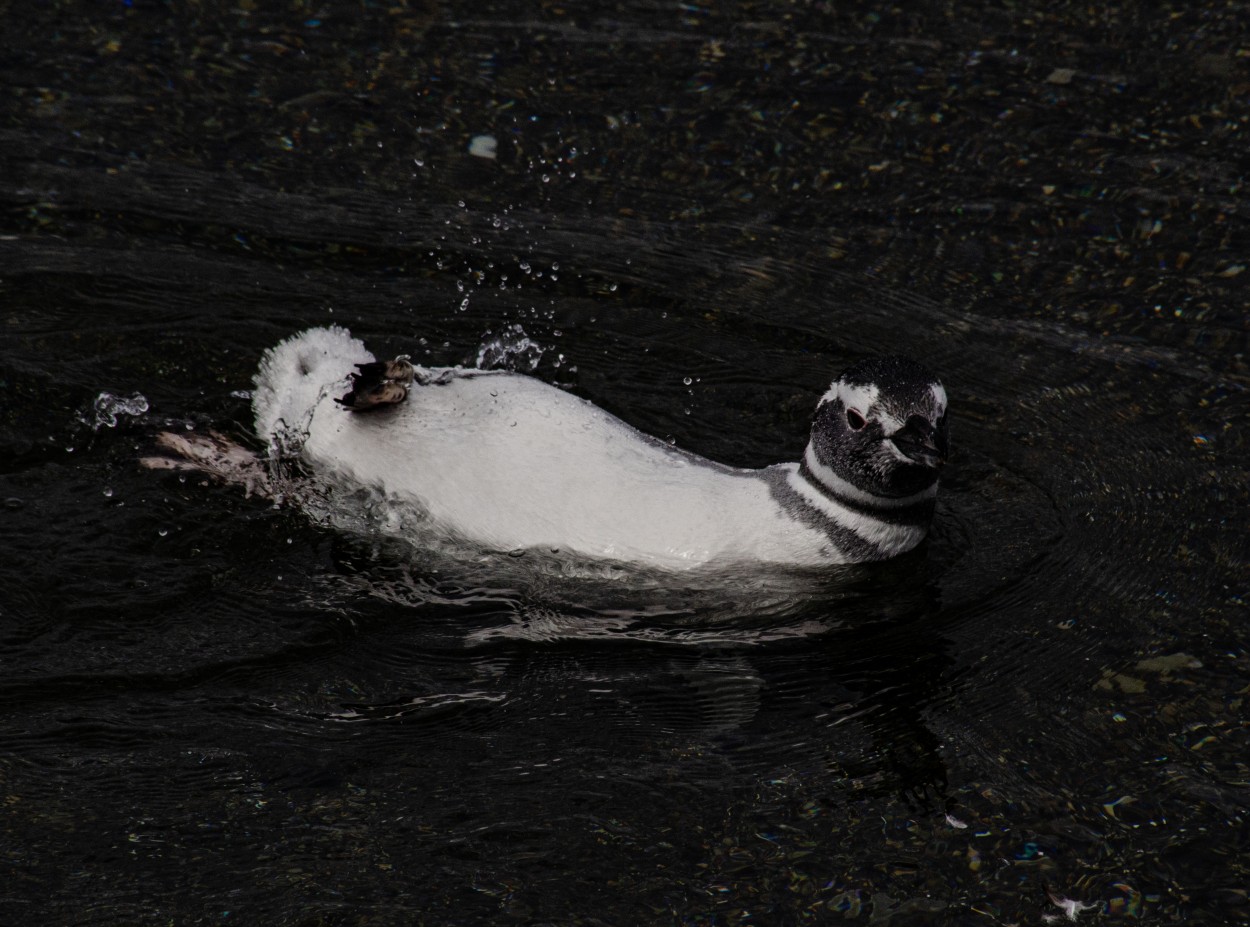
column 217, row 709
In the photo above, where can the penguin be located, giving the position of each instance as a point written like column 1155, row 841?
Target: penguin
column 506, row 462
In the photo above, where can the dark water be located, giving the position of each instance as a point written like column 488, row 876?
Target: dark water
column 215, row 711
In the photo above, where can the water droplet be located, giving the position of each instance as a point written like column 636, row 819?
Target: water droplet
column 483, row 146
column 687, row 380
column 163, row 532
column 108, row 492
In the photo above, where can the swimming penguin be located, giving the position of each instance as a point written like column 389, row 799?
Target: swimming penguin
column 508, row 462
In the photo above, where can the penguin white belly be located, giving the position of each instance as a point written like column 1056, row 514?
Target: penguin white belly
column 510, row 462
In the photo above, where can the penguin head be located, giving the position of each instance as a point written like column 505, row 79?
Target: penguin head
column 881, row 428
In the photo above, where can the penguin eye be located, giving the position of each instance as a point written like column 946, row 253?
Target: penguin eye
column 855, row 420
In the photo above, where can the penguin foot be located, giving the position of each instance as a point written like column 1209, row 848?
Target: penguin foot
column 212, row 454
column 384, row 383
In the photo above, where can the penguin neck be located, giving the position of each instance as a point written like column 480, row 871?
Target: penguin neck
column 912, row 511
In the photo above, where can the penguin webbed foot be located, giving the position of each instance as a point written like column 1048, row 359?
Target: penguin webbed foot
column 381, row 383
column 212, row 454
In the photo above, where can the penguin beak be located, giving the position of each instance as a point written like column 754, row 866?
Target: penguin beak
column 919, row 441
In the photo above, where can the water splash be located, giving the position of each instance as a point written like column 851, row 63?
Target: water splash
column 108, row 408
column 511, row 349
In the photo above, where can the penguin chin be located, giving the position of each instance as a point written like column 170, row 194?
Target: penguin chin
column 907, row 480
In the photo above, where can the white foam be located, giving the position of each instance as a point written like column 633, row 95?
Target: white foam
column 295, row 374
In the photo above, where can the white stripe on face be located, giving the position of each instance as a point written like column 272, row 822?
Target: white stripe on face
column 864, row 399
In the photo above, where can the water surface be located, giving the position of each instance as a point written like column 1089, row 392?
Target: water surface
column 220, row 711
